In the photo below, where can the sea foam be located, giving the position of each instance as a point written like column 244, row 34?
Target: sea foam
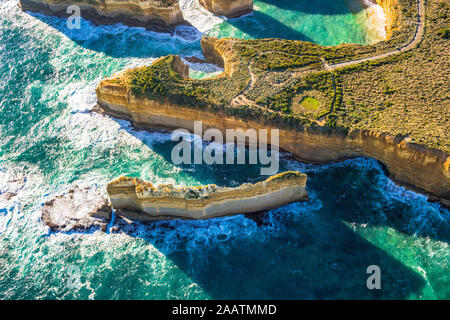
column 376, row 22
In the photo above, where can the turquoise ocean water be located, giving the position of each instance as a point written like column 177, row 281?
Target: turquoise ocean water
column 49, row 142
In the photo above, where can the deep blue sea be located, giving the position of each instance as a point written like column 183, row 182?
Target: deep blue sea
column 50, row 142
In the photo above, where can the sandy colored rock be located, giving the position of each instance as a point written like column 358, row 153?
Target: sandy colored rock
column 413, row 165
column 138, row 200
column 150, row 14
column 418, row 166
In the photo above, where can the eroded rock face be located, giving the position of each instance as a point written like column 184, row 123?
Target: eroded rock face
column 77, row 210
column 390, row 11
column 424, row 169
column 141, row 201
column 157, row 15
column 8, row 195
column 228, row 8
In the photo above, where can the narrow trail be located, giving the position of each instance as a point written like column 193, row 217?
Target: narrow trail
column 240, row 99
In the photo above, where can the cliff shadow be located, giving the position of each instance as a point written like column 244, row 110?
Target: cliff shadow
column 362, row 193
column 299, row 251
column 200, row 174
column 119, row 41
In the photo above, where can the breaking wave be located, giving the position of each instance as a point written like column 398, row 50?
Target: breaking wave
column 50, row 141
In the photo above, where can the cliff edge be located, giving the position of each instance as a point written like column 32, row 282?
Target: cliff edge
column 329, row 103
column 159, row 15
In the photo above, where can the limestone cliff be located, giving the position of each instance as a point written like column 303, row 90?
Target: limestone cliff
column 228, row 8
column 391, row 12
column 414, row 165
column 390, row 8
column 150, row 14
column 138, row 200
column 76, row 210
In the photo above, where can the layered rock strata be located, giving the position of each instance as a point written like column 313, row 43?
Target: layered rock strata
column 228, row 8
column 424, row 169
column 77, row 210
column 141, row 201
column 158, row 15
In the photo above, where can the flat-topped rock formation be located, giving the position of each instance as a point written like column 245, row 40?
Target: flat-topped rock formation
column 77, row 210
column 141, row 201
column 228, row 8
column 157, row 15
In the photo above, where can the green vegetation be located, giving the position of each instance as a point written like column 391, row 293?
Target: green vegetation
column 282, row 61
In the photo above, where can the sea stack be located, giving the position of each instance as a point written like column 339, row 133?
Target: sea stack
column 228, row 8
column 159, row 15
column 138, row 200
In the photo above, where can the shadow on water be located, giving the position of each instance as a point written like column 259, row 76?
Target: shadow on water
column 365, row 196
column 301, row 250
column 119, row 41
column 260, row 23
column 314, row 256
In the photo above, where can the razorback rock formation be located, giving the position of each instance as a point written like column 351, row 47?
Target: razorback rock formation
column 228, row 8
column 157, row 15
column 138, row 200
column 413, row 165
column 77, row 210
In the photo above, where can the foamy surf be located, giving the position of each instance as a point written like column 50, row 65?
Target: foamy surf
column 51, row 143
column 198, row 16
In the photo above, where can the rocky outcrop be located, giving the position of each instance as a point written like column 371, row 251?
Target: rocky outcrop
column 77, row 210
column 228, row 8
column 7, row 196
column 141, row 201
column 151, row 14
column 391, row 13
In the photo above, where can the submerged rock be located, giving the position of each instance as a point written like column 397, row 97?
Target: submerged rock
column 77, row 210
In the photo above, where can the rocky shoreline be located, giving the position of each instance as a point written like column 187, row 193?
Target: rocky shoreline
column 154, row 15
column 426, row 170
column 134, row 200
column 228, row 8
column 79, row 209
column 140, row 201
